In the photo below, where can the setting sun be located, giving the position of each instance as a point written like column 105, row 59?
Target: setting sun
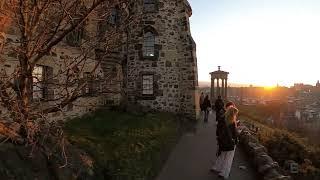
column 269, row 88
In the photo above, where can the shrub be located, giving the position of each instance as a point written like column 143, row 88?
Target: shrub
column 283, row 145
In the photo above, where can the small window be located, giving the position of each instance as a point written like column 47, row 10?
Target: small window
column 88, row 89
column 102, row 28
column 149, row 5
column 114, row 16
column 38, row 86
column 74, row 38
column 147, row 84
column 148, row 44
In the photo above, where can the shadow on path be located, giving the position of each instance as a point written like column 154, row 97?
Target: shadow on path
column 194, row 155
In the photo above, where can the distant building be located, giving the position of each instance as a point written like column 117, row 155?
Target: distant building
column 302, row 87
column 318, row 84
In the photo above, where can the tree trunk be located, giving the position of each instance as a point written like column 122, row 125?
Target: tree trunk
column 27, row 94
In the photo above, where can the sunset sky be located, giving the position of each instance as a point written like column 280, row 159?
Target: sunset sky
column 260, row 42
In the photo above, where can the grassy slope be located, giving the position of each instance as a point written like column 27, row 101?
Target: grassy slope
column 282, row 144
column 125, row 146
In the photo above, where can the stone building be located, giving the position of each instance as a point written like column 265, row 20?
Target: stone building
column 162, row 65
column 155, row 64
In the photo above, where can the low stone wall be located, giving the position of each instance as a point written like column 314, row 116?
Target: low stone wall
column 265, row 165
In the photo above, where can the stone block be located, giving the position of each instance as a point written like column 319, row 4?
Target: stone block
column 259, row 149
column 251, row 147
column 277, row 176
column 244, row 137
column 265, row 168
column 264, row 159
column 253, row 139
column 271, row 174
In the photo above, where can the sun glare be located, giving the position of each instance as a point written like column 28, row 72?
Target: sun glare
column 269, row 88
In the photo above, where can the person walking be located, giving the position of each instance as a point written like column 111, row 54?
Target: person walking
column 219, row 106
column 227, row 140
column 206, row 105
column 201, row 101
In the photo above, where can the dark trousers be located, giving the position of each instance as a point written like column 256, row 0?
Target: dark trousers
column 206, row 114
column 218, row 114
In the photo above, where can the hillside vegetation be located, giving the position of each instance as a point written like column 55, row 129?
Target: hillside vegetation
column 283, row 145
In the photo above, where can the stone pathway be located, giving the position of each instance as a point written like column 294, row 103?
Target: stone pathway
column 194, row 155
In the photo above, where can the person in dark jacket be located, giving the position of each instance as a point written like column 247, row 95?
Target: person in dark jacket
column 219, row 105
column 227, row 140
column 221, row 118
column 206, row 105
column 201, row 101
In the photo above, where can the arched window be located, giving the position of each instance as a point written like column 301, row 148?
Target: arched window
column 148, row 44
column 114, row 16
column 149, row 5
column 74, row 38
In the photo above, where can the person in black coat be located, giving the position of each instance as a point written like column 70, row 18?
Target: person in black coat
column 206, row 105
column 219, row 105
column 227, row 140
column 201, row 101
column 221, row 120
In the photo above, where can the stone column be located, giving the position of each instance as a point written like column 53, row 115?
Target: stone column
column 226, row 90
column 222, row 88
column 212, row 88
column 218, row 87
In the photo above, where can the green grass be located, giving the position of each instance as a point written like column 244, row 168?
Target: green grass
column 125, row 146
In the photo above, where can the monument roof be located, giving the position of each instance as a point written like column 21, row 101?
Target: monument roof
column 219, row 71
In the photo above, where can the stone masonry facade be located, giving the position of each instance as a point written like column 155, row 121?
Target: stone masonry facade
column 173, row 65
column 156, row 64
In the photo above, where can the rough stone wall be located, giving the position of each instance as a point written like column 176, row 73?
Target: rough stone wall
column 174, row 66
column 55, row 60
column 188, row 67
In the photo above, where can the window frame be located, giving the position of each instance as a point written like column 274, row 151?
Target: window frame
column 114, row 17
column 87, row 87
column 89, row 90
column 148, row 85
column 38, row 79
column 149, row 43
column 149, row 6
column 74, row 38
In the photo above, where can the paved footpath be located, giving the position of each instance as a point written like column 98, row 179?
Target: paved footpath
column 194, row 155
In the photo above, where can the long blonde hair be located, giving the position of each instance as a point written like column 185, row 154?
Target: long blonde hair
column 231, row 115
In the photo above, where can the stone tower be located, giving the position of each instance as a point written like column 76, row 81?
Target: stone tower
column 161, row 57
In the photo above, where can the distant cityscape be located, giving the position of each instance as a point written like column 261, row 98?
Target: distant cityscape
column 296, row 108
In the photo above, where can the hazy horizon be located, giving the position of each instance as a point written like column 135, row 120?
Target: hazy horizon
column 232, row 84
column 259, row 42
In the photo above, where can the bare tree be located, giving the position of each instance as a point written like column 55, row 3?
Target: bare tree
column 40, row 28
